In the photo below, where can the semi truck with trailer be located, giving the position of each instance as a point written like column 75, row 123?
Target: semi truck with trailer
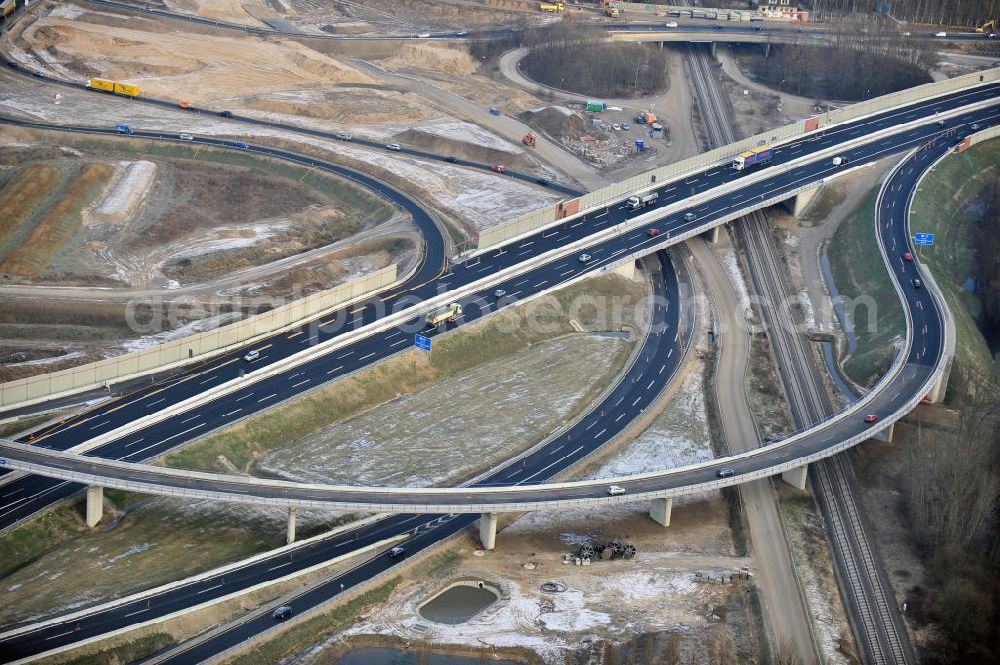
column 114, row 87
column 753, row 157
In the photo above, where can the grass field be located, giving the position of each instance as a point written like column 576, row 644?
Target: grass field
column 859, row 272
column 943, row 207
column 59, row 225
column 479, row 344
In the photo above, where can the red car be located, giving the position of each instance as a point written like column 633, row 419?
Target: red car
column 652, row 233
column 907, row 256
column 498, row 169
column 871, row 418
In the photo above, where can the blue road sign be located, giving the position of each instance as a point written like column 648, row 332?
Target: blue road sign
column 422, row 342
column 923, row 238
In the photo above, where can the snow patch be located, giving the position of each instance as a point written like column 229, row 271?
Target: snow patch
column 469, row 133
column 732, row 266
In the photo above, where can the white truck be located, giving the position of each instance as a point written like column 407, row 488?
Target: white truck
column 636, row 202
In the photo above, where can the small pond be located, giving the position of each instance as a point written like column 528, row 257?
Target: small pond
column 459, row 602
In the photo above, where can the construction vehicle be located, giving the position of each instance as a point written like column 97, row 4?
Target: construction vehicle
column 612, row 8
column 646, row 118
column 753, row 157
column 442, row 316
column 114, row 86
column 551, row 7
column 184, row 105
column 529, row 139
column 989, row 26
column 122, row 128
column 636, row 202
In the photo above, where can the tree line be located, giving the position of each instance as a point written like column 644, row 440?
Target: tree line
column 848, row 67
column 970, row 13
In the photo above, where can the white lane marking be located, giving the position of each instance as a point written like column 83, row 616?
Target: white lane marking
column 557, row 450
column 598, row 435
column 142, row 450
column 590, row 425
column 649, row 386
column 619, row 417
column 244, row 397
column 226, row 415
column 568, row 272
column 523, row 281
column 281, row 565
column 188, row 419
column 338, row 367
column 638, row 398
column 212, row 588
column 132, row 614
column 157, row 402
column 301, row 383
column 671, row 351
column 60, row 635
column 662, row 367
column 265, row 398
column 544, row 281
column 402, row 341
column 368, row 356
column 100, row 424
column 345, row 355
column 135, row 442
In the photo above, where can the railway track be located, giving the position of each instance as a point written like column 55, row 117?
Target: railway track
column 875, row 618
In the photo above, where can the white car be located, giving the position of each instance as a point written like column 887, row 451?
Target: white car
column 940, row 34
column 615, row 490
column 186, row 137
column 423, row 35
column 344, row 136
column 615, row 126
column 671, row 24
column 252, row 356
column 585, row 258
column 500, row 293
column 393, row 146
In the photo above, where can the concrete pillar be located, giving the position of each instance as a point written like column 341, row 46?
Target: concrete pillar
column 660, row 510
column 626, row 270
column 488, row 530
column 886, row 434
column 712, row 235
column 290, row 537
column 95, row 505
column 798, row 204
column 796, row 477
column 713, row 49
column 937, row 393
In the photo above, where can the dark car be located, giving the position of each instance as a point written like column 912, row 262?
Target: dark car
column 451, row 159
column 544, row 182
column 917, row 284
column 282, row 613
column 726, row 473
column 226, row 114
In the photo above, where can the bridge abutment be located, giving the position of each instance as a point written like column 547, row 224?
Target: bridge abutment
column 660, row 510
column 290, row 535
column 626, row 270
column 886, row 434
column 488, row 530
column 712, row 235
column 937, row 392
column 798, row 204
column 95, row 505
column 796, row 477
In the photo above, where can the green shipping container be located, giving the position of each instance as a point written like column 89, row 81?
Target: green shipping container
column 596, row 107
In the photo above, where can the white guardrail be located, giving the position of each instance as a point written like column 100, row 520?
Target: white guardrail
column 565, row 210
column 31, row 390
column 385, row 505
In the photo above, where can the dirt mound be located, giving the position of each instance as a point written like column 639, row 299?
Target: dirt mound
column 437, row 58
column 463, row 150
column 554, row 121
column 367, row 106
column 186, row 65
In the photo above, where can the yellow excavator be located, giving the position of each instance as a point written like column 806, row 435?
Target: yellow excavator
column 989, row 26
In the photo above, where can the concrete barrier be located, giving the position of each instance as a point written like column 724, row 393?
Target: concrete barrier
column 31, row 390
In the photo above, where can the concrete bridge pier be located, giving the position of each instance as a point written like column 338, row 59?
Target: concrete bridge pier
column 796, row 477
column 798, row 204
column 937, row 392
column 712, row 235
column 626, row 270
column 488, row 530
column 95, row 505
column 712, row 48
column 886, row 434
column 290, row 536
column 660, row 510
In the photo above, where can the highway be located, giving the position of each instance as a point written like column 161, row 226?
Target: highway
column 701, row 28
column 662, row 348
column 170, row 432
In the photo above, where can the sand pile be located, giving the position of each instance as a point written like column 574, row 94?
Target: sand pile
column 186, row 66
column 437, row 58
column 123, row 195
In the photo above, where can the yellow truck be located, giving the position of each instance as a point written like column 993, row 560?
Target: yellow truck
column 552, row 7
column 114, row 86
column 442, row 316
